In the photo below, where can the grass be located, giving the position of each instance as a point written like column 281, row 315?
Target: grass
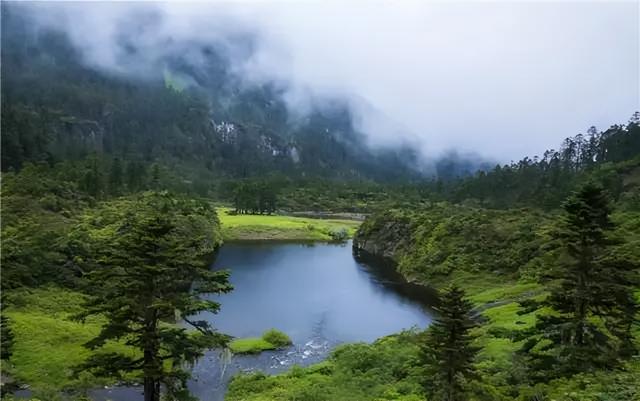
column 277, row 227
column 354, row 372
column 270, row 340
column 251, row 345
column 48, row 344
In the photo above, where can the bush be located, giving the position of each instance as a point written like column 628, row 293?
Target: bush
column 277, row 338
column 339, row 235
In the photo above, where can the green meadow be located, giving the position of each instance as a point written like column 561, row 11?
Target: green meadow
column 283, row 228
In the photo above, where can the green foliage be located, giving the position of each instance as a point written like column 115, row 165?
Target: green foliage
column 254, row 197
column 37, row 213
column 147, row 260
column 497, row 256
column 270, row 340
column 276, row 227
column 386, row 369
column 251, row 345
column 340, row 234
column 47, row 342
column 6, row 338
column 447, row 353
column 592, row 299
column 277, row 338
column 445, row 239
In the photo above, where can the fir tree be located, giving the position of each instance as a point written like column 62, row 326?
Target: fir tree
column 115, row 176
column 592, row 299
column 447, row 352
column 6, row 339
column 149, row 264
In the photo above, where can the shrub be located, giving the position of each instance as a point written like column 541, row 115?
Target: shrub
column 339, row 235
column 277, row 338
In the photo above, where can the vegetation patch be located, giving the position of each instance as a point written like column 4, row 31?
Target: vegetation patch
column 270, row 340
column 48, row 343
column 278, row 227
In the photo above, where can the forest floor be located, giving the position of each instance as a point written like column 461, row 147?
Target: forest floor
column 284, row 228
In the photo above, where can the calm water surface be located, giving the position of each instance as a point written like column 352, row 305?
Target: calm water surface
column 316, row 293
column 309, row 291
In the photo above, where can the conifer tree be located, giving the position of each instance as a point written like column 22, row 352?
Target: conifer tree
column 150, row 266
column 592, row 299
column 447, row 352
column 6, row 339
column 115, row 176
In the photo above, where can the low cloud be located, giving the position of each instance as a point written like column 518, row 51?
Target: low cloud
column 502, row 80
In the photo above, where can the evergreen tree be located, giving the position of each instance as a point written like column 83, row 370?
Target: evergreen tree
column 447, row 352
column 135, row 175
column 92, row 180
column 149, row 263
column 592, row 298
column 155, row 176
column 115, row 176
column 6, row 339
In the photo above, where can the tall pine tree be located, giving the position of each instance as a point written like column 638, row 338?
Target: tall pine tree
column 591, row 298
column 446, row 352
column 149, row 267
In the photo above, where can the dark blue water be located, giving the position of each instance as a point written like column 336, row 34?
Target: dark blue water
column 318, row 294
column 309, row 291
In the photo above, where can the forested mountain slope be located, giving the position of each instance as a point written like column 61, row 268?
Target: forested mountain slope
column 200, row 123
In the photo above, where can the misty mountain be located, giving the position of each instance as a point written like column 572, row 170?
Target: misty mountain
column 189, row 111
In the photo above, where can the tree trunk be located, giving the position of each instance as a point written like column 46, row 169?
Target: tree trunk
column 152, row 364
column 151, row 389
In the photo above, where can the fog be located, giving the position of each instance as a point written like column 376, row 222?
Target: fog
column 498, row 79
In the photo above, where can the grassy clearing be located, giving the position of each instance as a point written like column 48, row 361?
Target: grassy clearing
column 48, row 343
column 276, row 227
column 270, row 340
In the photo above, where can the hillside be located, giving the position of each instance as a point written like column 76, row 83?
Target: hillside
column 203, row 124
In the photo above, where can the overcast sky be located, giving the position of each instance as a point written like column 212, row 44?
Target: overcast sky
column 501, row 79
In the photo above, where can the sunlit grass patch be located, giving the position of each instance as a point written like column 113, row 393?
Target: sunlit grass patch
column 505, row 292
column 251, row 345
column 48, row 344
column 277, row 227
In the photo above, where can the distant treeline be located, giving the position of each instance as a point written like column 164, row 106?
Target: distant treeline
column 255, row 197
column 547, row 180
